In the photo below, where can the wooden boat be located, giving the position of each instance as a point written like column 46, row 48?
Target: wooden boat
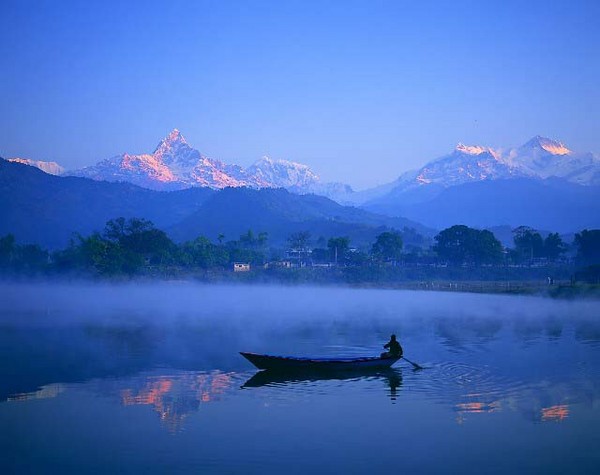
column 287, row 363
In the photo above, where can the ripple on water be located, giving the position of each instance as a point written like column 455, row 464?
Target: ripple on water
column 468, row 387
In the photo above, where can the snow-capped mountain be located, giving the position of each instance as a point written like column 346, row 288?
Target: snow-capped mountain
column 466, row 163
column 282, row 173
column 480, row 186
column 174, row 164
column 544, row 158
column 539, row 158
column 51, row 168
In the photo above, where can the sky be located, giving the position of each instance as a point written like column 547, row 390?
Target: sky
column 360, row 91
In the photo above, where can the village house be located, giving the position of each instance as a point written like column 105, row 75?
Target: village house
column 241, row 267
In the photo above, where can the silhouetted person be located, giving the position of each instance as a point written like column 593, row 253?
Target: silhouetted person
column 393, row 347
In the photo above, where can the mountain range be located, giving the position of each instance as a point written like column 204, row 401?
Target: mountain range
column 175, row 165
column 541, row 184
column 482, row 183
column 539, row 158
column 45, row 209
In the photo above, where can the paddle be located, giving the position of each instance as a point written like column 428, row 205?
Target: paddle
column 414, row 364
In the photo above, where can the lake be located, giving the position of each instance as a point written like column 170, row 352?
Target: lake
column 148, row 379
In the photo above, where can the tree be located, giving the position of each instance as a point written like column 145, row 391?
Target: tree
column 248, row 240
column 388, row 246
column 299, row 241
column 202, row 253
column 321, row 255
column 528, row 243
column 488, row 250
column 411, row 238
column 262, row 239
column 104, row 256
column 31, row 257
column 460, row 244
column 27, row 257
column 588, row 246
column 554, row 246
column 7, row 250
column 299, row 246
column 338, row 248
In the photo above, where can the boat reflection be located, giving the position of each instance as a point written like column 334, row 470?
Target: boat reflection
column 391, row 377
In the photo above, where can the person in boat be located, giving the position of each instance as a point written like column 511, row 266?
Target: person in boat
column 393, row 347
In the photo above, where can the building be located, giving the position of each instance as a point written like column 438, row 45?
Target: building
column 241, row 267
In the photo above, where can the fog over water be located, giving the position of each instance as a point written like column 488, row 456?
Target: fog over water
column 502, row 368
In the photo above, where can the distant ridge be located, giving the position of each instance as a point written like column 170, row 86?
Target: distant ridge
column 417, row 194
column 47, row 210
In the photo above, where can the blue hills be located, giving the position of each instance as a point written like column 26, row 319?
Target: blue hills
column 47, row 210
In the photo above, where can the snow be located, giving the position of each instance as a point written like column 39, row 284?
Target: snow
column 52, row 168
column 174, row 164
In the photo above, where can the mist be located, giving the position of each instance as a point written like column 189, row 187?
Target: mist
column 77, row 331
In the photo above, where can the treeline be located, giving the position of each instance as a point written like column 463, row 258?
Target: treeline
column 136, row 247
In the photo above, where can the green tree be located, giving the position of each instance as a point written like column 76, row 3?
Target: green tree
column 138, row 241
column 262, row 239
column 338, row 248
column 388, row 246
column 588, row 246
column 321, row 255
column 7, row 250
column 299, row 241
column 299, row 246
column 554, row 246
column 460, row 244
column 101, row 255
column 32, row 258
column 528, row 243
column 198, row 253
column 248, row 240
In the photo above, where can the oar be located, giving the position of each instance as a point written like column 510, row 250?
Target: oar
column 414, row 364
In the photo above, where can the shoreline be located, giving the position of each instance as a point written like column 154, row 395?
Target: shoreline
column 562, row 289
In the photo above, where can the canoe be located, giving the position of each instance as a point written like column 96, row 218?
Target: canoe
column 286, row 363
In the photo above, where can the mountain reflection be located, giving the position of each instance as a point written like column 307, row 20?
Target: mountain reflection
column 175, row 397
column 555, row 413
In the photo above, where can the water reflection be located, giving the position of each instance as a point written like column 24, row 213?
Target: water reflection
column 556, row 413
column 391, row 377
column 94, row 376
column 45, row 392
column 175, row 397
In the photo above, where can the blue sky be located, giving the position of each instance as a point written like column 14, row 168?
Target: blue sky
column 360, row 91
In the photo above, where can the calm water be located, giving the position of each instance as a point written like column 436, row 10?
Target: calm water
column 148, row 379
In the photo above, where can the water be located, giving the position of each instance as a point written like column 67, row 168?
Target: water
column 148, row 379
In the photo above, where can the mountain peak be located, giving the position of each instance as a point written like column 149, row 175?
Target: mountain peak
column 175, row 136
column 471, row 149
column 52, row 168
column 174, row 139
column 265, row 159
column 553, row 147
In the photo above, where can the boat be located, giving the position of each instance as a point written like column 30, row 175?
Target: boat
column 287, row 363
